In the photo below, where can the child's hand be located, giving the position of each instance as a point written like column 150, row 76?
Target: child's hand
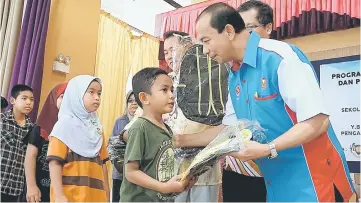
column 174, row 185
column 61, row 199
column 33, row 194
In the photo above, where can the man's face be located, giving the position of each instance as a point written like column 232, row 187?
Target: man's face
column 251, row 22
column 173, row 52
column 216, row 45
column 170, row 45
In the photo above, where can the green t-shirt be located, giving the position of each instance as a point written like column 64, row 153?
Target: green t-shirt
column 152, row 147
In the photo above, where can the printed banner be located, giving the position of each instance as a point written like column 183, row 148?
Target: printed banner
column 340, row 85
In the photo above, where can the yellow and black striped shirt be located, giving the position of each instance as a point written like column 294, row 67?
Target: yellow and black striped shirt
column 83, row 178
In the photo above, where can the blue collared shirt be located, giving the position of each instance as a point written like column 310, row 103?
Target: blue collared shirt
column 277, row 86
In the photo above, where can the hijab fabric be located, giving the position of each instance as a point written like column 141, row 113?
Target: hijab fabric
column 49, row 113
column 78, row 129
column 126, row 105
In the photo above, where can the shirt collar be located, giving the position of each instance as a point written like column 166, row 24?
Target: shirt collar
column 130, row 117
column 235, row 65
column 10, row 117
column 250, row 55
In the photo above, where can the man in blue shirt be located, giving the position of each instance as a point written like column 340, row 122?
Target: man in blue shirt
column 258, row 17
column 277, row 86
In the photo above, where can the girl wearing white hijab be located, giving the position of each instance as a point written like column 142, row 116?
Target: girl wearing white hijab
column 77, row 152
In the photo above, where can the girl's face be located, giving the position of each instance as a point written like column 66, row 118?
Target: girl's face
column 132, row 105
column 59, row 100
column 91, row 97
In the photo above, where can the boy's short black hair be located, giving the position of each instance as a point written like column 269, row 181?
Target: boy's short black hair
column 4, row 103
column 143, row 81
column 15, row 91
column 264, row 11
column 223, row 14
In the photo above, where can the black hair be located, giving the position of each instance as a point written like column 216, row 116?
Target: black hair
column 15, row 91
column 4, row 103
column 223, row 14
column 171, row 33
column 143, row 81
column 264, row 11
column 182, row 36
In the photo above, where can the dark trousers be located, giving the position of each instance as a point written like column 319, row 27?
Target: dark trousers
column 241, row 188
column 252, row 189
column 338, row 196
column 116, row 190
column 8, row 198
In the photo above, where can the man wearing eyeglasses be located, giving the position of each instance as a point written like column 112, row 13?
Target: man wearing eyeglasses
column 257, row 16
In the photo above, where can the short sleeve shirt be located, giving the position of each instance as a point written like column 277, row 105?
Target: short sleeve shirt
column 35, row 138
column 278, row 87
column 13, row 153
column 152, row 147
column 83, row 177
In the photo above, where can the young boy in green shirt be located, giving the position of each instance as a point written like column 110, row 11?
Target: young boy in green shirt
column 149, row 156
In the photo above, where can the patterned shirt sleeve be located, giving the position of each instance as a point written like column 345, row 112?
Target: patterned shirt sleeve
column 12, row 153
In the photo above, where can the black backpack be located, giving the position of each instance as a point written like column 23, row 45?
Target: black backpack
column 203, row 87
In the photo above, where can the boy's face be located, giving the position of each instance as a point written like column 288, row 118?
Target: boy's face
column 161, row 99
column 24, row 102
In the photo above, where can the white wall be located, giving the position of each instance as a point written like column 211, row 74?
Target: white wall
column 139, row 13
column 184, row 2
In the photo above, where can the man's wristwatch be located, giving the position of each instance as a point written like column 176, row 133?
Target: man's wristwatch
column 272, row 147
